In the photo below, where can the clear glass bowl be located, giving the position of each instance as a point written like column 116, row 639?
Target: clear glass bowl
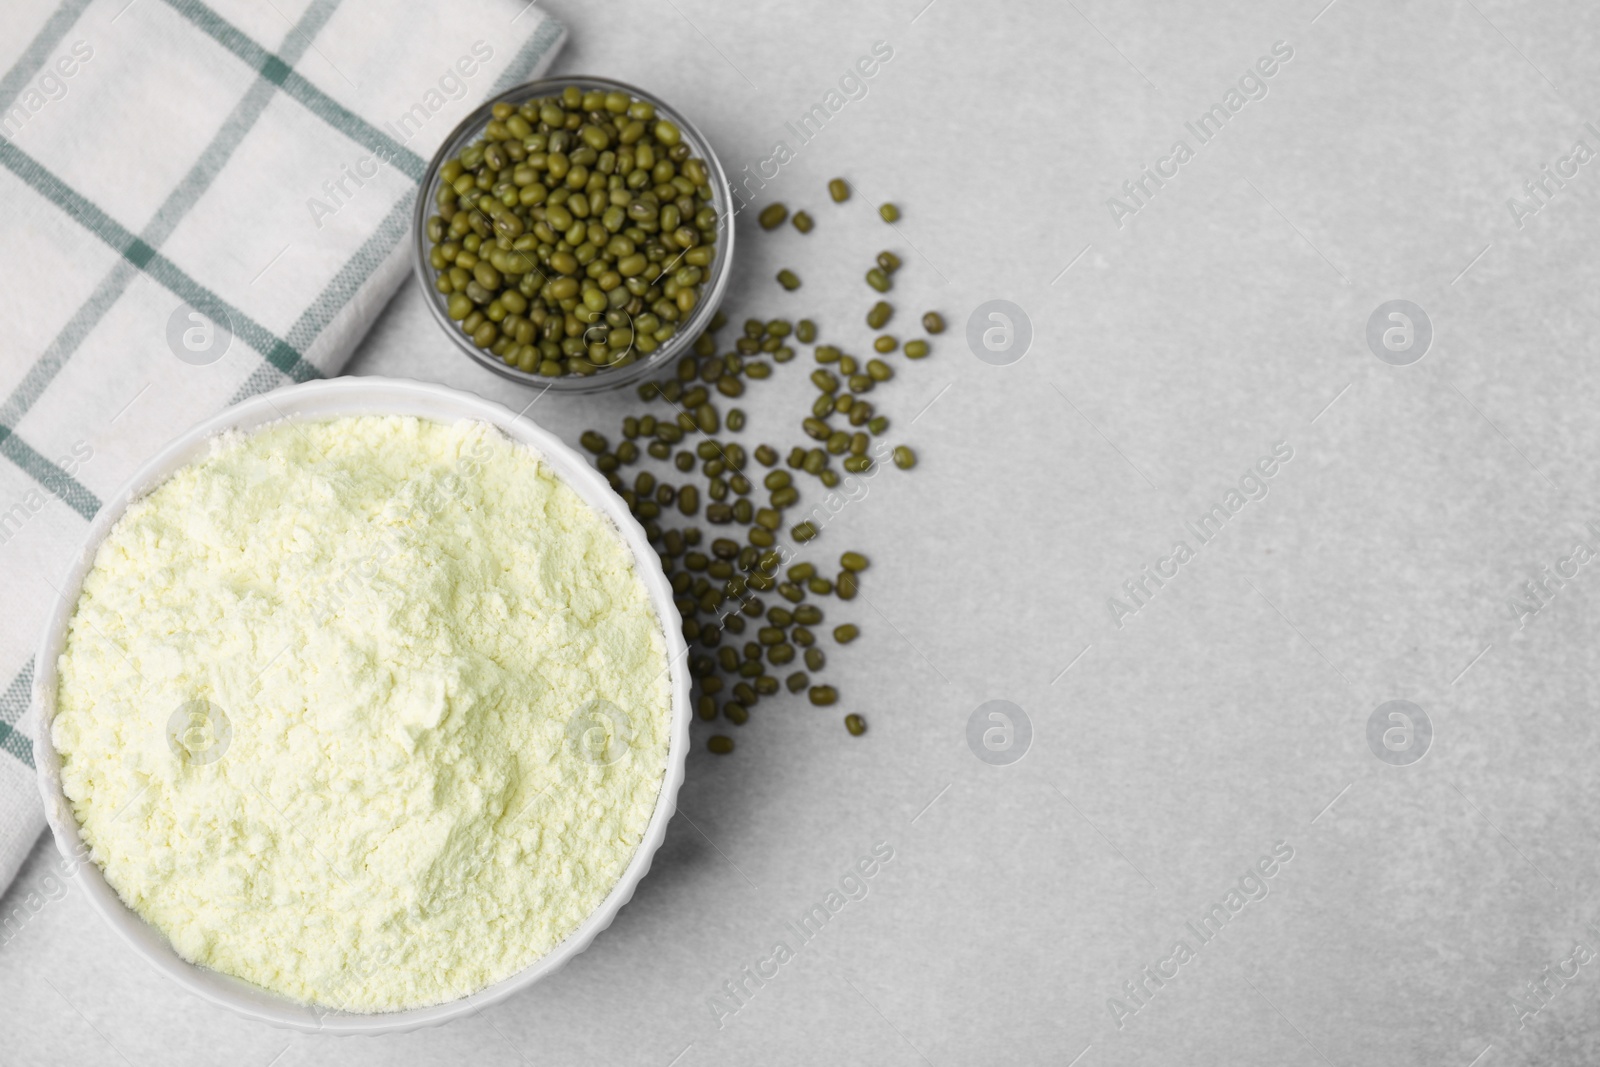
column 711, row 290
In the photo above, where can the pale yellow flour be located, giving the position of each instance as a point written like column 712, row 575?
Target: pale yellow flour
column 371, row 712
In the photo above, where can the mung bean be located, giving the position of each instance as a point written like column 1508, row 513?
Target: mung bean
column 772, row 216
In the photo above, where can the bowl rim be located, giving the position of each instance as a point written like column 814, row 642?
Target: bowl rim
column 319, row 401
column 712, row 292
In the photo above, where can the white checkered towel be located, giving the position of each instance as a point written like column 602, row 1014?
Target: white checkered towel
column 198, row 201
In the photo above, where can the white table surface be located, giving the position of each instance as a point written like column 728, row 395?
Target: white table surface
column 1230, row 713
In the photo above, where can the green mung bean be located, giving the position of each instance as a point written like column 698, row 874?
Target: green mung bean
column 839, row 189
column 772, row 216
column 523, row 232
column 933, row 322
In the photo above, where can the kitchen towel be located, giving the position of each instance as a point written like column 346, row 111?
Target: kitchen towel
column 198, row 201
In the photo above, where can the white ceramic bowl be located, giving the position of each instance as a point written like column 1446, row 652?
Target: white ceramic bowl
column 315, row 401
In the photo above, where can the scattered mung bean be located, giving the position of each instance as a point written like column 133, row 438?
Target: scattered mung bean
column 772, row 216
